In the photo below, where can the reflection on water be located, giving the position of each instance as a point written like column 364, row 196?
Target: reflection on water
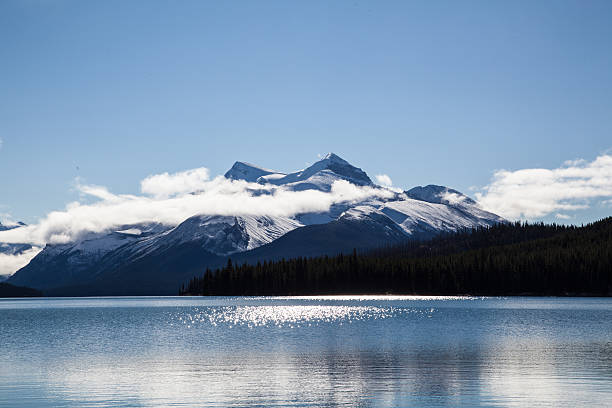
column 328, row 351
column 291, row 316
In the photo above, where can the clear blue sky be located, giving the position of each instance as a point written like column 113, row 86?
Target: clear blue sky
column 439, row 92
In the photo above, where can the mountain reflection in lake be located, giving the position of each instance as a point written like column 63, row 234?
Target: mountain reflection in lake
column 321, row 351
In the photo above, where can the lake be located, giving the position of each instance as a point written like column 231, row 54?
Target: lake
column 370, row 351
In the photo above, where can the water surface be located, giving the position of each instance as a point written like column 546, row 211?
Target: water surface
column 311, row 351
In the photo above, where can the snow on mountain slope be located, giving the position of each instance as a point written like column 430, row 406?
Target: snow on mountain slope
column 92, row 247
column 96, row 254
column 439, row 194
column 361, row 227
column 319, row 176
column 368, row 216
column 323, row 217
column 71, row 263
column 323, row 173
column 249, row 172
column 416, row 216
column 223, row 235
column 419, row 219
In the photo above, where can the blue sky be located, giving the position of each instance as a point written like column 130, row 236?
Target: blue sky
column 426, row 92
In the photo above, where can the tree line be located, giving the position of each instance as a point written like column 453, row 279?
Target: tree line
column 8, row 290
column 505, row 259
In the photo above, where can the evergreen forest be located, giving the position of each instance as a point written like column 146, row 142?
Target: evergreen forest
column 506, row 259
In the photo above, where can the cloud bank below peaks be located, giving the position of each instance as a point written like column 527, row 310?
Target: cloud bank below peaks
column 171, row 198
column 10, row 263
column 535, row 193
column 384, row 180
column 167, row 185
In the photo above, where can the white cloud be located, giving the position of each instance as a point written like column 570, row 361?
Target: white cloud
column 166, row 185
column 1, row 142
column 574, row 163
column 453, row 198
column 535, row 193
column 171, row 205
column 11, row 263
column 7, row 220
column 384, row 180
column 562, row 216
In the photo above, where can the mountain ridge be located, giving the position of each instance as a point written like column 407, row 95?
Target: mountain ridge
column 102, row 263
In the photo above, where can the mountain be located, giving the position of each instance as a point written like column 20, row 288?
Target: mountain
column 224, row 235
column 361, row 227
column 322, row 174
column 439, row 195
column 249, row 172
column 76, row 262
column 157, row 259
column 136, row 250
column 319, row 176
column 422, row 219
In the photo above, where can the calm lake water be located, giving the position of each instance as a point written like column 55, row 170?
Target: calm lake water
column 321, row 351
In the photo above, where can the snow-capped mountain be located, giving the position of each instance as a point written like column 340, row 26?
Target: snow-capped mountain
column 74, row 262
column 439, row 195
column 249, row 172
column 225, row 235
column 95, row 254
column 319, row 176
column 425, row 218
column 165, row 256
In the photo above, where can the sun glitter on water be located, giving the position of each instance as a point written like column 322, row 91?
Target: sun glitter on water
column 292, row 316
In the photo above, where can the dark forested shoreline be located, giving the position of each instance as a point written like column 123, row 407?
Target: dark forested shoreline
column 506, row 259
column 7, row 290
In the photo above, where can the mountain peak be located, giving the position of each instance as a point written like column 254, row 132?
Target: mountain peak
column 333, row 157
column 333, row 163
column 321, row 174
column 248, row 172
